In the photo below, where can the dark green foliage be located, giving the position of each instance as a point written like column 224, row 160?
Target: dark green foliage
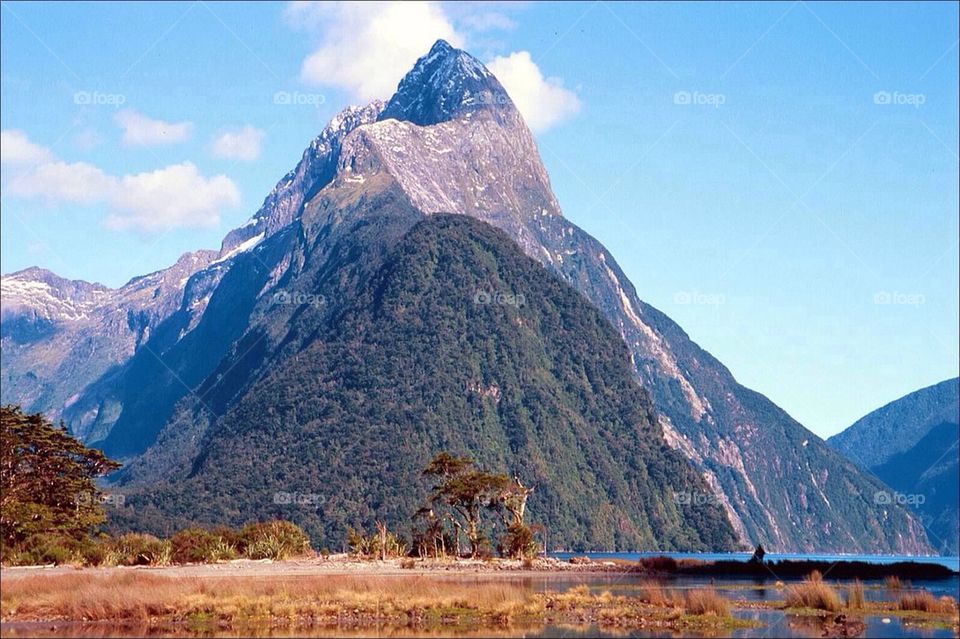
column 458, row 342
column 135, row 549
column 199, row 545
column 467, row 491
column 519, row 542
column 48, row 494
column 273, row 540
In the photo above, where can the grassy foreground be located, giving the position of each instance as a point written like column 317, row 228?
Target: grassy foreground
column 237, row 603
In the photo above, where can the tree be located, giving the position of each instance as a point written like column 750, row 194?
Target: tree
column 520, row 540
column 467, row 491
column 47, row 479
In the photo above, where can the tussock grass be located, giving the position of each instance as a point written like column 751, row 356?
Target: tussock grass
column 812, row 592
column 892, row 582
column 855, row 598
column 653, row 593
column 924, row 601
column 706, row 601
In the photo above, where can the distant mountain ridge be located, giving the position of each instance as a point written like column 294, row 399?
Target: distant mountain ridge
column 451, row 141
column 913, row 445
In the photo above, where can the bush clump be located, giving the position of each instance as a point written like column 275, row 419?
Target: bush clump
column 199, row 545
column 273, row 540
column 135, row 549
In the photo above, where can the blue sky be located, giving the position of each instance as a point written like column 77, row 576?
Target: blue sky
column 779, row 178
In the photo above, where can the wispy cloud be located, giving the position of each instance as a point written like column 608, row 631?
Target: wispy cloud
column 175, row 196
column 243, row 144
column 140, row 130
column 16, row 149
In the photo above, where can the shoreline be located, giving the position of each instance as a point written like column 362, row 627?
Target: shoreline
column 541, row 568
column 338, row 566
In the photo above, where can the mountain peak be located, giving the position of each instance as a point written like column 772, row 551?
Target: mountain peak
column 443, row 85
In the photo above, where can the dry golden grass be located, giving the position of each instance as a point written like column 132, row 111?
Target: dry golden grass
column 892, row 583
column 855, row 597
column 137, row 596
column 653, row 593
column 812, row 592
column 924, row 601
column 706, row 601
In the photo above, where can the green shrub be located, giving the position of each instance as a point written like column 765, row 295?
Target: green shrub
column 368, row 546
column 519, row 542
column 49, row 548
column 134, row 549
column 198, row 545
column 273, row 540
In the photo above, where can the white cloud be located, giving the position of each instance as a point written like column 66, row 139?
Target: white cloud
column 243, row 144
column 367, row 47
column 140, row 130
column 543, row 102
column 16, row 149
column 176, row 196
column 172, row 197
column 57, row 181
